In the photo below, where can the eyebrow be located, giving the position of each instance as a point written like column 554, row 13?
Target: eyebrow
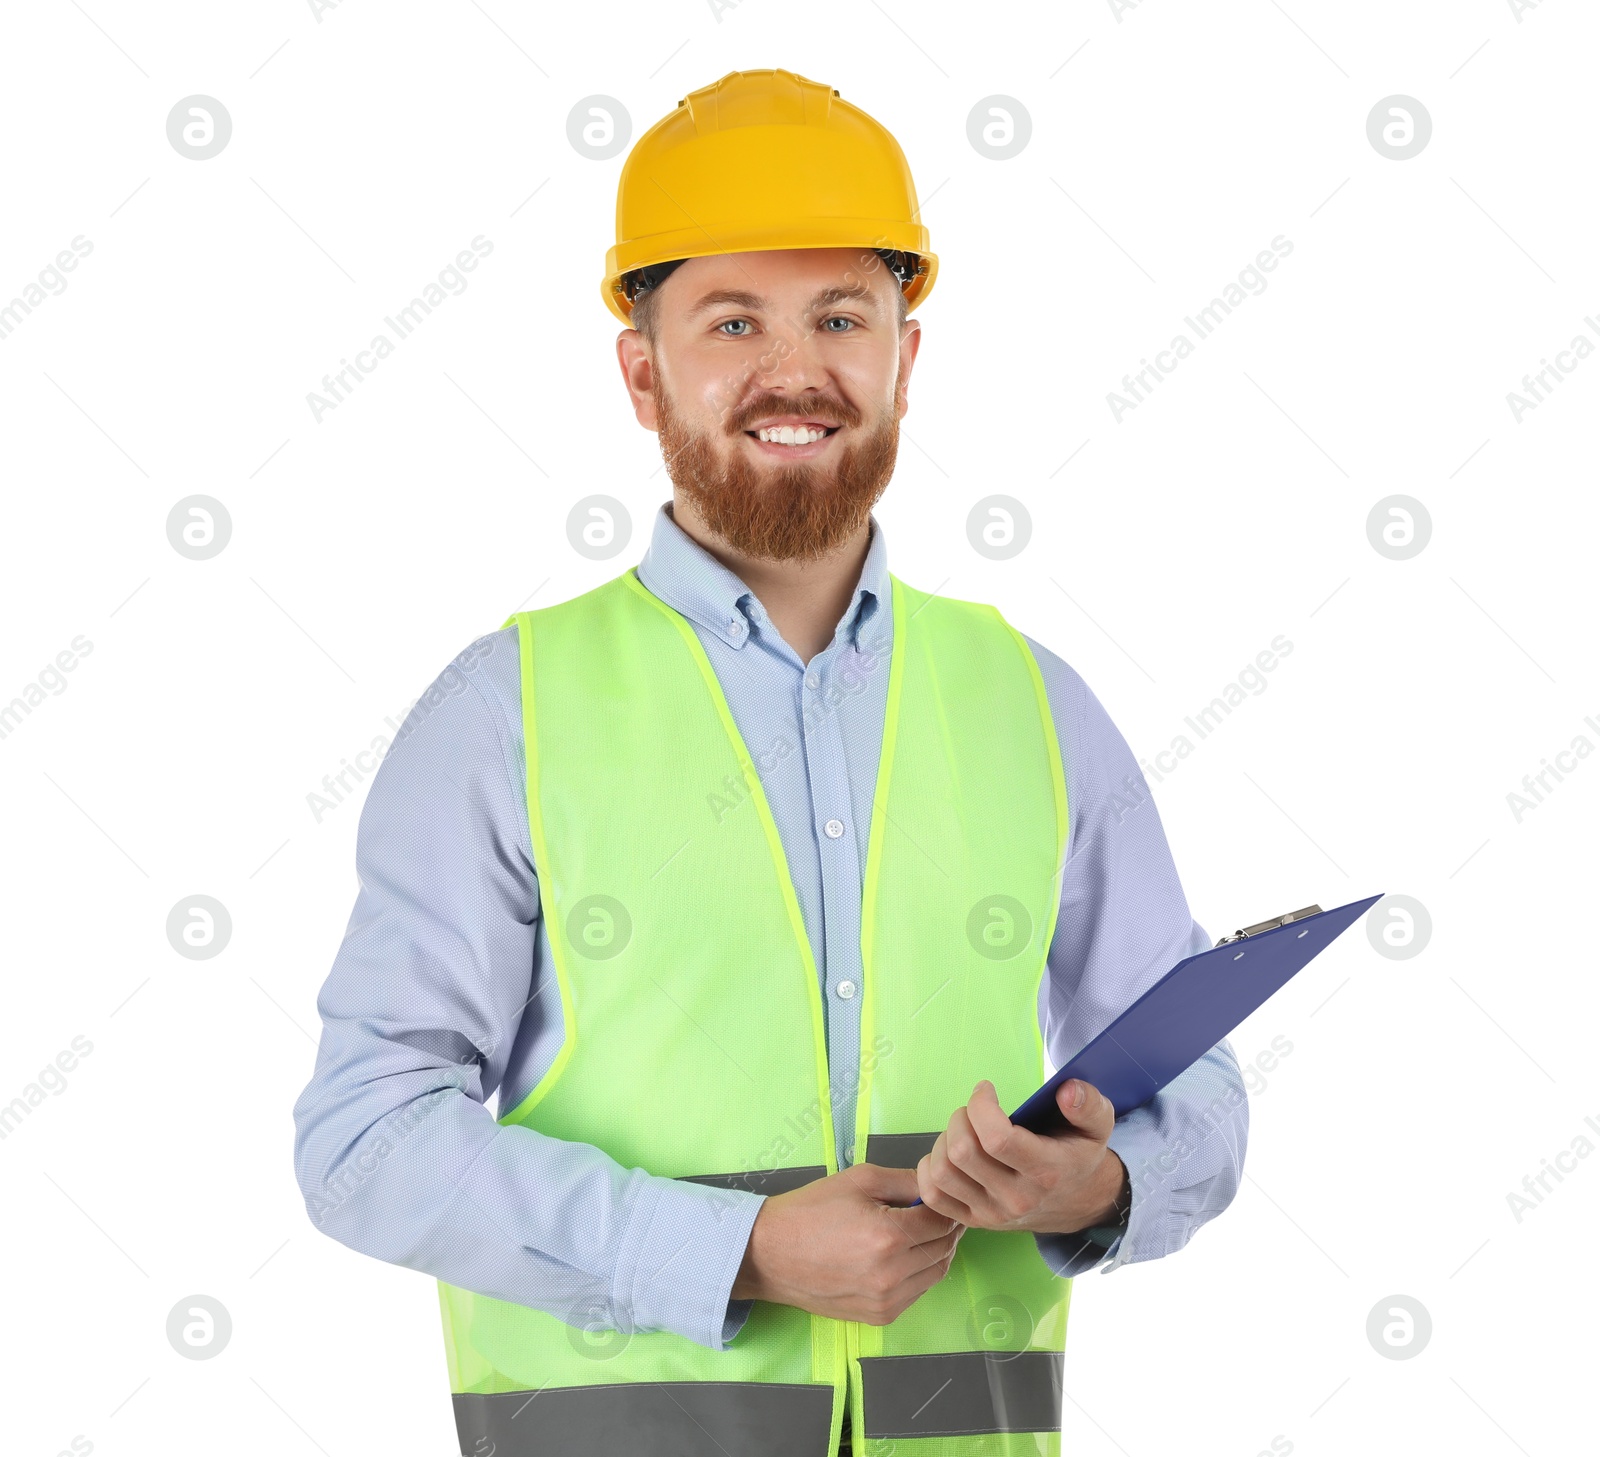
column 744, row 299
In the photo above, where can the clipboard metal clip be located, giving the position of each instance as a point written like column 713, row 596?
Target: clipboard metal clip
column 1275, row 922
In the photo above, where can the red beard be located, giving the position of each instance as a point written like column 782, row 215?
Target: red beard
column 780, row 511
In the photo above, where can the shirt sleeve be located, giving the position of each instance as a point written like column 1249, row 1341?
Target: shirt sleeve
column 1123, row 924
column 395, row 1151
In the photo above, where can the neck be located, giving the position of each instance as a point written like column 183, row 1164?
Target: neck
column 805, row 600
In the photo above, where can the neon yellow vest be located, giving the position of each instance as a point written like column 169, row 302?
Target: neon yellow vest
column 694, row 1043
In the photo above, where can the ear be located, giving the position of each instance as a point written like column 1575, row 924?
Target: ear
column 910, row 342
column 638, row 374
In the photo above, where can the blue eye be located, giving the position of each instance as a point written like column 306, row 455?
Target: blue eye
column 724, row 324
column 840, row 319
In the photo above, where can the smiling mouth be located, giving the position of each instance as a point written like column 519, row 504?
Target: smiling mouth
column 792, row 437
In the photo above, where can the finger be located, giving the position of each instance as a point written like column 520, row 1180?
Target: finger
column 1002, row 1140
column 938, row 1251
column 959, row 1189
column 924, row 1225
column 1031, row 1155
column 934, row 1196
column 892, row 1190
column 916, row 1274
column 983, row 1177
column 1086, row 1108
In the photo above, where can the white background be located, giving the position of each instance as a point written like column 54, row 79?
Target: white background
column 1169, row 146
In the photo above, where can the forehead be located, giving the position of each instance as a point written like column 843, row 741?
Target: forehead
column 784, row 279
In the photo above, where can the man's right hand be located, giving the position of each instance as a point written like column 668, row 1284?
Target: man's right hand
column 839, row 1247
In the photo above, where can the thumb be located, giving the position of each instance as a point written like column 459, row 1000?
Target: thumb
column 887, row 1186
column 1069, row 1098
column 1086, row 1109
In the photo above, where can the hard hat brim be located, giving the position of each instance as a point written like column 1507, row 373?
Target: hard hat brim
column 817, row 233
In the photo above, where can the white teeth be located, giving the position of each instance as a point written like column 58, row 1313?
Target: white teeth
column 790, row 435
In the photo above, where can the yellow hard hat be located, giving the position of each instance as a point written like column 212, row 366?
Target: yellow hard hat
column 762, row 160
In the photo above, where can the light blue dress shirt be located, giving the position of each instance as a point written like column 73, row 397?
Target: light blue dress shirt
column 443, row 991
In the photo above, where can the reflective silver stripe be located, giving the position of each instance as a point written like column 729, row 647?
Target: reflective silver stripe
column 899, row 1150
column 962, row 1393
column 650, row 1419
column 762, row 1181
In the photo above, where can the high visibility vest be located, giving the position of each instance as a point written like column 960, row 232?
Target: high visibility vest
column 694, row 1036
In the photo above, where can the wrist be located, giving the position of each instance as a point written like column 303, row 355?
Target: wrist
column 1116, row 1194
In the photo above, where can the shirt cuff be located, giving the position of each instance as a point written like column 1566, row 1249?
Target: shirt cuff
column 679, row 1258
column 1071, row 1254
column 738, row 1313
column 1137, row 1140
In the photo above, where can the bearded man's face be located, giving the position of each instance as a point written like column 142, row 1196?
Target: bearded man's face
column 800, row 342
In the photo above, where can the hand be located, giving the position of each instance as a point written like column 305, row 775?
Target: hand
column 844, row 1247
column 990, row 1174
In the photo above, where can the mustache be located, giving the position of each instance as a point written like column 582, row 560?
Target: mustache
column 808, row 407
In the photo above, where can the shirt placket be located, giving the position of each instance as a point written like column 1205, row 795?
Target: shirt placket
column 828, row 782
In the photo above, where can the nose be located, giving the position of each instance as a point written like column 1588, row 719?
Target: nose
column 793, row 362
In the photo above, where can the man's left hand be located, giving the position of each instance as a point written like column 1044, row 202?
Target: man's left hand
column 990, row 1174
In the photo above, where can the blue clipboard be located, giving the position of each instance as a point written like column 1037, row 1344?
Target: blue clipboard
column 1192, row 1008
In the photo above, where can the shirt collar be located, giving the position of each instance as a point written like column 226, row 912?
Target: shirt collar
column 684, row 575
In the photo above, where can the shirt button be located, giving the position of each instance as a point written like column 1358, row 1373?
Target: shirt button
column 846, row 989
column 812, row 680
column 736, row 627
column 850, row 1154
column 833, row 829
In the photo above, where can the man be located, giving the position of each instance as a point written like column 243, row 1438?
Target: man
column 755, row 881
